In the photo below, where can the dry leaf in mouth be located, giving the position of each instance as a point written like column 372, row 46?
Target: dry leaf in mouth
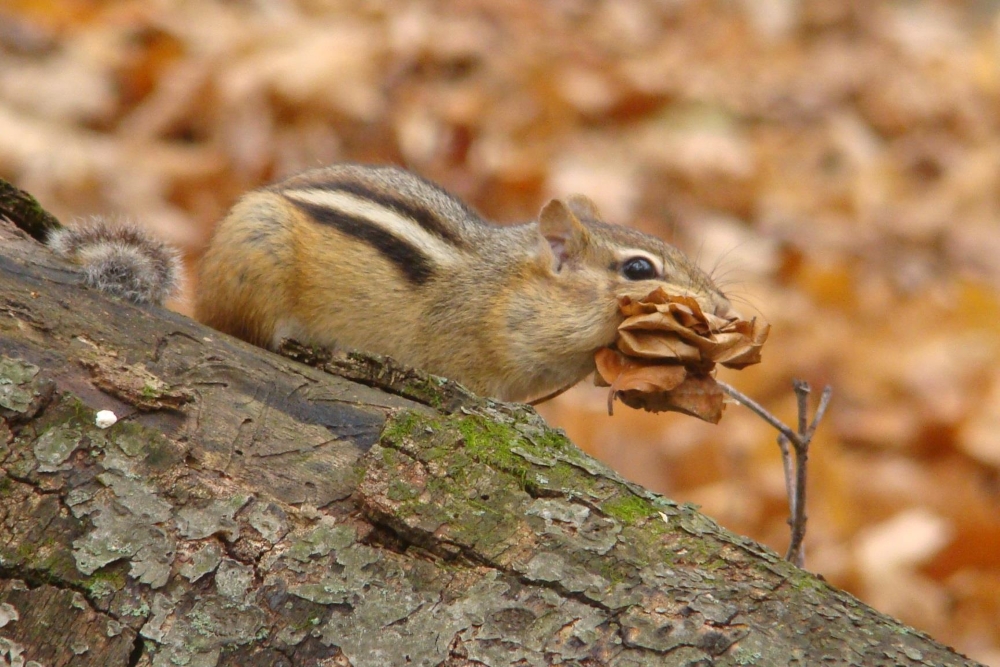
column 666, row 350
column 658, row 387
column 661, row 317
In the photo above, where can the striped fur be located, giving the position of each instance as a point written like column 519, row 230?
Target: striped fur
column 412, row 261
column 407, row 234
column 413, row 210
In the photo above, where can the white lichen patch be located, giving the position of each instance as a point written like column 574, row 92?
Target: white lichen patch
column 137, row 496
column 202, row 562
column 130, row 536
column 11, row 652
column 54, row 447
column 320, row 539
column 8, row 614
column 233, row 579
column 571, row 520
column 269, row 520
column 216, row 516
column 15, row 373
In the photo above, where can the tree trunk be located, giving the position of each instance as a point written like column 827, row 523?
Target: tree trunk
column 249, row 509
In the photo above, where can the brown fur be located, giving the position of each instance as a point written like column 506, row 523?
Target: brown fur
column 511, row 312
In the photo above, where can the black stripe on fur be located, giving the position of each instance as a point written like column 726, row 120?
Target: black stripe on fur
column 424, row 217
column 412, row 263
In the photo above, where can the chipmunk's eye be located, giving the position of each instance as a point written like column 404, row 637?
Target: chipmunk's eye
column 639, row 268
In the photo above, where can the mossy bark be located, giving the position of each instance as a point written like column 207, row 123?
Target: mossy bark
column 249, row 509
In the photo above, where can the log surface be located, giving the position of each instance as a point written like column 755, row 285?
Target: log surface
column 249, row 509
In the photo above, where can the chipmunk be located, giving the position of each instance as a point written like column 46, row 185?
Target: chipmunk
column 378, row 259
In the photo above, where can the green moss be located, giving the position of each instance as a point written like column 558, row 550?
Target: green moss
column 628, row 509
column 105, row 582
column 643, row 543
column 564, row 476
column 744, row 657
column 26, row 212
column 402, row 425
column 400, row 491
column 554, row 440
column 491, row 442
column 426, row 391
column 529, row 456
column 806, row 582
column 501, row 446
column 81, row 413
column 24, row 552
column 436, row 453
column 58, row 562
column 615, row 571
column 435, row 512
column 713, row 565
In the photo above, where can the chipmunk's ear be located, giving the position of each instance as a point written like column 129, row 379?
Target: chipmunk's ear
column 562, row 233
column 583, row 207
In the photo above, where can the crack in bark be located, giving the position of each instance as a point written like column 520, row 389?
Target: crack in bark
column 433, row 544
column 138, row 648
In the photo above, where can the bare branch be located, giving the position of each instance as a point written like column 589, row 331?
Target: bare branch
column 760, row 410
column 824, row 402
column 795, row 466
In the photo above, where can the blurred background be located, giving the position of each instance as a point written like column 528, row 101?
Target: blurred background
column 835, row 163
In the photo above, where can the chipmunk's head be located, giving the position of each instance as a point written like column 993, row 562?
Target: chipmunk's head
column 566, row 304
column 625, row 262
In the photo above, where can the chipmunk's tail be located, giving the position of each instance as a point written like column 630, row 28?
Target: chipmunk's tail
column 120, row 258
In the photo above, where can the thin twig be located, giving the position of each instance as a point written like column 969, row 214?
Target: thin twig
column 802, row 395
column 797, row 512
column 797, row 493
column 795, row 466
column 824, row 402
column 786, row 465
column 760, row 410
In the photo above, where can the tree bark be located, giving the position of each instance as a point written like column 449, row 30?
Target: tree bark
column 249, row 509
